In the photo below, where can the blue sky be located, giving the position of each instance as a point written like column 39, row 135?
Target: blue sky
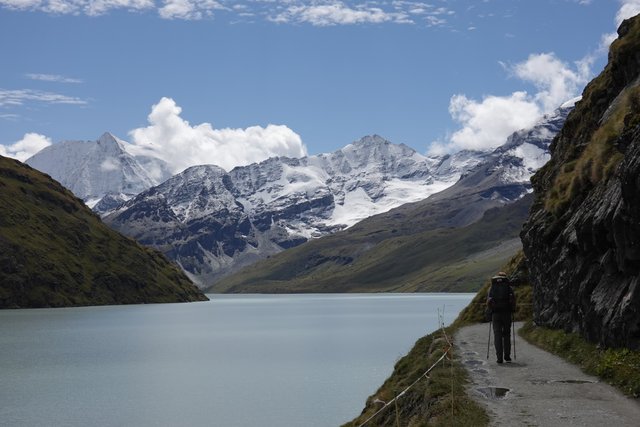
column 438, row 75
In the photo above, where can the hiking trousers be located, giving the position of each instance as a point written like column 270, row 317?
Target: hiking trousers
column 502, row 334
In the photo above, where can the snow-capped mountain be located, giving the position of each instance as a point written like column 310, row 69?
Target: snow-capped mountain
column 503, row 176
column 528, row 149
column 213, row 222
column 93, row 170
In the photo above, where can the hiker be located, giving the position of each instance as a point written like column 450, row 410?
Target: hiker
column 501, row 301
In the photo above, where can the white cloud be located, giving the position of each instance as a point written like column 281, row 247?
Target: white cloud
column 171, row 138
column 628, row 8
column 555, row 80
column 75, row 7
column 100, row 7
column 338, row 13
column 316, row 12
column 29, row 145
column 20, row 4
column 188, row 9
column 22, row 96
column 52, row 78
column 487, row 123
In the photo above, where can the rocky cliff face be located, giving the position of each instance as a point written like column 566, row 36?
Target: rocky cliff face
column 582, row 239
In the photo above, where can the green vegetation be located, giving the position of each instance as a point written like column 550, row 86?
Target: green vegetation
column 437, row 400
column 440, row 400
column 586, row 154
column 55, row 252
column 589, row 152
column 600, row 157
column 619, row 367
column 443, row 259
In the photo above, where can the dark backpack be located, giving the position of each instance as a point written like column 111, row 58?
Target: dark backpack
column 501, row 295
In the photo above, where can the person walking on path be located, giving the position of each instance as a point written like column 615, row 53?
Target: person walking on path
column 501, row 301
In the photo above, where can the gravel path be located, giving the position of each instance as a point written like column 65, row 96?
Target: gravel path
column 541, row 389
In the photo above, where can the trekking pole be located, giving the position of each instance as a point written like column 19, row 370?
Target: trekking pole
column 489, row 341
column 513, row 328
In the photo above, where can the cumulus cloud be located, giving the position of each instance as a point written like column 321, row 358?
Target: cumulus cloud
column 29, row 145
column 172, row 139
column 628, row 9
column 486, row 124
column 556, row 81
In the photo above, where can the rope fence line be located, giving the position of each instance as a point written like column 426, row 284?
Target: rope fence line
column 483, row 303
column 445, row 355
column 392, row 401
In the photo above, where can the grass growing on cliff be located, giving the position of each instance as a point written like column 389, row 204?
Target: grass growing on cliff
column 618, row 367
column 598, row 160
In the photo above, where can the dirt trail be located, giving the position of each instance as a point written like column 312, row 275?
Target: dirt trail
column 542, row 389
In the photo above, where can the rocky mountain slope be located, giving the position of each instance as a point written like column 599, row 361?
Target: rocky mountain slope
column 374, row 254
column 102, row 172
column 582, row 239
column 55, row 252
column 213, row 222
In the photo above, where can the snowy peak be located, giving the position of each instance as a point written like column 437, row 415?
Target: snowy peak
column 108, row 140
column 94, row 169
column 216, row 222
column 527, row 150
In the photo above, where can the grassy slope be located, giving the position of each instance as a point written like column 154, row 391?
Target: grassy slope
column 430, row 402
column 444, row 259
column 55, row 252
column 441, row 399
column 580, row 169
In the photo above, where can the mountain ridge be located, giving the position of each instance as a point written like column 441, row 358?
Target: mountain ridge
column 230, row 219
column 95, row 170
column 55, row 252
column 501, row 179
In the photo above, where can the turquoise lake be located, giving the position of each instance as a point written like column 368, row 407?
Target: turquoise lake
column 248, row 360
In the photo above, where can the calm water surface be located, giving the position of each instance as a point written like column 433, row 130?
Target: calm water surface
column 294, row 360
